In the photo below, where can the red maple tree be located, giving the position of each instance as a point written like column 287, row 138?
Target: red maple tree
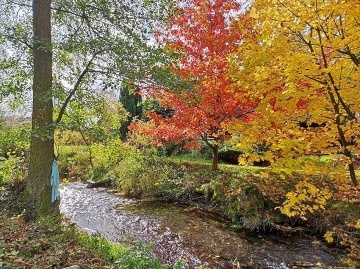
column 201, row 33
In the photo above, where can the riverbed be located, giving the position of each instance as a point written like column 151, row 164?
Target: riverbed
column 183, row 232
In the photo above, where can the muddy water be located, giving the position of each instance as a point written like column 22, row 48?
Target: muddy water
column 180, row 232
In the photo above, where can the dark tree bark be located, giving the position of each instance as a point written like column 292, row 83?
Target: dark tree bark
column 38, row 189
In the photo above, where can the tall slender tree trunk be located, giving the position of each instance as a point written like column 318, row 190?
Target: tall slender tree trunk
column 38, row 189
column 215, row 159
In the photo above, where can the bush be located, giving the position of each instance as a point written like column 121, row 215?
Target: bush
column 151, row 176
column 240, row 200
column 69, row 137
column 12, row 170
column 106, row 156
column 226, row 153
column 92, row 162
column 141, row 143
column 205, row 151
column 138, row 175
column 172, row 149
column 15, row 141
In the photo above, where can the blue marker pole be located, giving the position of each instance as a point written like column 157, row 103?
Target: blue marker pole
column 55, row 181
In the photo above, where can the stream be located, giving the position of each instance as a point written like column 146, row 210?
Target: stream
column 182, row 232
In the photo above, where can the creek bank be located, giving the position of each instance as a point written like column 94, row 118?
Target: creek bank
column 181, row 233
column 240, row 194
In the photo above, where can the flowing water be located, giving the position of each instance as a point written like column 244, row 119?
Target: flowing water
column 181, row 232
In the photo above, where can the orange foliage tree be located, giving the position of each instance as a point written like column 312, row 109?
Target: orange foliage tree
column 200, row 33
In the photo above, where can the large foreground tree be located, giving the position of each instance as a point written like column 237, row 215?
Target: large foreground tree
column 42, row 138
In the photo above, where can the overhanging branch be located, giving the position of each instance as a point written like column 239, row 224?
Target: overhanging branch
column 77, row 84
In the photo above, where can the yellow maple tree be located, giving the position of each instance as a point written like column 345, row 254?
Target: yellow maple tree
column 300, row 60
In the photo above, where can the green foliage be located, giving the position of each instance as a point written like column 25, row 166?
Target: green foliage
column 240, row 200
column 227, row 154
column 132, row 102
column 138, row 256
column 147, row 176
column 172, row 149
column 14, row 140
column 14, row 145
column 141, row 143
column 102, row 246
column 12, row 170
column 127, row 176
column 68, row 137
column 107, row 156
column 72, row 160
column 96, row 121
column 96, row 163
column 205, row 151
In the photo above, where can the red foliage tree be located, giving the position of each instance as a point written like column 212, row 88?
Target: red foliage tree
column 201, row 33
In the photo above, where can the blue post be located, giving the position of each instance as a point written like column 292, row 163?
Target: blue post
column 54, row 180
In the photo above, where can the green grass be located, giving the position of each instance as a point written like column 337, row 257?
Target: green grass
column 198, row 160
column 137, row 256
column 192, row 158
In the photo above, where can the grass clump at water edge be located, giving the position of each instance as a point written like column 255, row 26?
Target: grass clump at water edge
column 137, row 256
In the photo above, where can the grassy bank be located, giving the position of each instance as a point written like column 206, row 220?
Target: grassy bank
column 254, row 198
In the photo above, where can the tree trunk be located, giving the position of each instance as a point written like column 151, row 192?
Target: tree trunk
column 342, row 137
column 215, row 159
column 38, row 188
column 352, row 174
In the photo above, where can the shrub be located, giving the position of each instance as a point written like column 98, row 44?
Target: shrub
column 14, row 140
column 12, row 170
column 240, row 200
column 138, row 175
column 172, row 149
column 141, row 143
column 69, row 137
column 93, row 162
column 106, row 156
column 144, row 175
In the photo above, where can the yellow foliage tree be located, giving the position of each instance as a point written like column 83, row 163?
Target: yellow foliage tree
column 300, row 60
